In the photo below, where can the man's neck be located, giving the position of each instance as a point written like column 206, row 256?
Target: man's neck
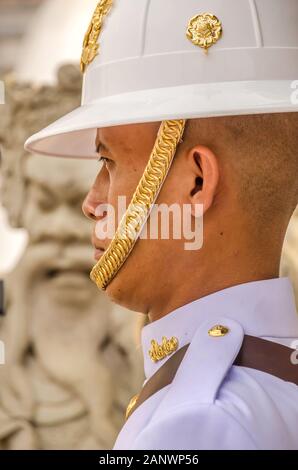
column 188, row 292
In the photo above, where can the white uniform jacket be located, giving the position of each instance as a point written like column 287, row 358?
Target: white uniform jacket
column 211, row 403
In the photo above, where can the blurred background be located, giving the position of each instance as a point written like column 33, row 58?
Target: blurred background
column 73, row 360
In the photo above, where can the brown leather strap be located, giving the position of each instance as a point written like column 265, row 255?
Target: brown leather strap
column 255, row 353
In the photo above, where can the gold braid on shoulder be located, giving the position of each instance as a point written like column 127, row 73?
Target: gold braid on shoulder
column 137, row 214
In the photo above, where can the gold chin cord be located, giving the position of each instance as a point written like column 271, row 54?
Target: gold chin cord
column 169, row 136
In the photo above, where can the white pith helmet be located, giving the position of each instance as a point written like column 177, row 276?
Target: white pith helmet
column 149, row 67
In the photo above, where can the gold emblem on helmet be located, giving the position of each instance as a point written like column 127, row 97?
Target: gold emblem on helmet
column 204, row 30
column 91, row 45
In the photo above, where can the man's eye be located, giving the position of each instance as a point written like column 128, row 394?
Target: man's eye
column 103, row 160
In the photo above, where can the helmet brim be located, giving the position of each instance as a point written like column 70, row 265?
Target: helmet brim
column 74, row 135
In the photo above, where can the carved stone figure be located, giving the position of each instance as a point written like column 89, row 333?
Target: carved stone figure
column 72, row 361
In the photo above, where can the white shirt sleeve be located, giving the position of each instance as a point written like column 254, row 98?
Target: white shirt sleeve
column 195, row 426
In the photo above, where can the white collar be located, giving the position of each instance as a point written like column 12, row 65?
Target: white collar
column 263, row 308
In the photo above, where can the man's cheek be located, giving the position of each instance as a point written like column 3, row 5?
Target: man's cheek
column 113, row 212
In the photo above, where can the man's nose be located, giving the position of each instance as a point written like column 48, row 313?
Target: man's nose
column 89, row 206
column 94, row 207
column 97, row 196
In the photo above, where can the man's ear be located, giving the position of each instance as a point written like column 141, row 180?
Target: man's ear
column 205, row 171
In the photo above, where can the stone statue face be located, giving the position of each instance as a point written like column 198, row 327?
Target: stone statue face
column 67, row 344
column 52, row 215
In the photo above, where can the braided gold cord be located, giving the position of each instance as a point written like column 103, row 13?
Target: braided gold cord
column 130, row 227
column 91, row 44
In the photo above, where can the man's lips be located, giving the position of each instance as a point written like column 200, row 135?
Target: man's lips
column 98, row 253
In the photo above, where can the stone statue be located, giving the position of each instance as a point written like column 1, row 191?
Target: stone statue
column 72, row 360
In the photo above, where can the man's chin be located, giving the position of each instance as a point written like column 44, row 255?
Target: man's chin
column 123, row 292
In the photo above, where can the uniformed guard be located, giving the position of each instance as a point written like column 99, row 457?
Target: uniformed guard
column 194, row 103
